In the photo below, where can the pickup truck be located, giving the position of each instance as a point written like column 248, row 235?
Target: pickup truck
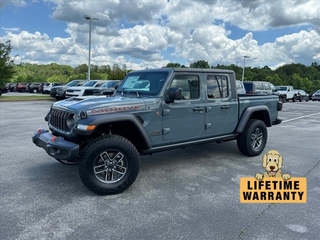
column 287, row 93
column 153, row 110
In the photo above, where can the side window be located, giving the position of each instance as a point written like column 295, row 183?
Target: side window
column 217, row 86
column 258, row 86
column 266, row 86
column 190, row 85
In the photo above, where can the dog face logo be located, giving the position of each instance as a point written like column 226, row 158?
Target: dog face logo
column 272, row 162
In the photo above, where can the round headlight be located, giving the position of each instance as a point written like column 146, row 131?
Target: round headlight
column 71, row 120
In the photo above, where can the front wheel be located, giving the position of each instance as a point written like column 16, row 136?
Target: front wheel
column 294, row 98
column 284, row 98
column 109, row 165
column 253, row 139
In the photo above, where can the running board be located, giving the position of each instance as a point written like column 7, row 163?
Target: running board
column 170, row 146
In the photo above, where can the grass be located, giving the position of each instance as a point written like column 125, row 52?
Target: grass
column 5, row 98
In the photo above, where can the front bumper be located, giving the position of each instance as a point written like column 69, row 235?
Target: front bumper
column 56, row 147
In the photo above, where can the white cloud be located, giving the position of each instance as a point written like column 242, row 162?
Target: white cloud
column 17, row 3
column 138, row 33
column 10, row 29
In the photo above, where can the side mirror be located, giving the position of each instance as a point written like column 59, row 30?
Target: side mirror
column 174, row 94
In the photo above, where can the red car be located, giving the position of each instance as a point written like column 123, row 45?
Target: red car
column 21, row 87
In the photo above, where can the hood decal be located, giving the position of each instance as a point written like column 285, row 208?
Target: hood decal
column 113, row 109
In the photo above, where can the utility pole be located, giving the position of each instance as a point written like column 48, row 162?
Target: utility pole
column 89, row 64
column 244, row 65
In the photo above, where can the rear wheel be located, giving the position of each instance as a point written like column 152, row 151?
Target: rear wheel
column 35, row 90
column 109, row 165
column 253, row 139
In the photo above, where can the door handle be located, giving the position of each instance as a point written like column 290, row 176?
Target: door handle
column 198, row 109
column 225, row 107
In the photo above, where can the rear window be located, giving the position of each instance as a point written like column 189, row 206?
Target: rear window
column 248, row 86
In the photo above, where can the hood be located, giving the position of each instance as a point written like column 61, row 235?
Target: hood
column 79, row 88
column 60, row 87
column 93, row 105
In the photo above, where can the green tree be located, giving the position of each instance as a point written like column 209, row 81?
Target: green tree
column 6, row 63
column 173, row 65
column 200, row 64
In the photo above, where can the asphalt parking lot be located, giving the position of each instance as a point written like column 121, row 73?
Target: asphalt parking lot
column 190, row 193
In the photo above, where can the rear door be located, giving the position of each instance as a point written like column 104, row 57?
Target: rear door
column 221, row 109
column 183, row 119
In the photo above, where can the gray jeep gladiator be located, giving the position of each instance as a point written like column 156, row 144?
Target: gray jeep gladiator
column 153, row 110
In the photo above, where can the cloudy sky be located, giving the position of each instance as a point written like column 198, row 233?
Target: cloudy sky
column 151, row 33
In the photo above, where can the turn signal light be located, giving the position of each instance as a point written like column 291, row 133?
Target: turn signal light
column 39, row 130
column 54, row 138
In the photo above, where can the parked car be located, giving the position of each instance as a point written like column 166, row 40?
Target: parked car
column 33, row 87
column 151, row 112
column 4, row 89
column 240, row 87
column 316, row 96
column 79, row 91
column 107, row 88
column 48, row 86
column 287, row 92
column 59, row 92
column 20, row 87
column 12, row 86
column 259, row 87
column 301, row 95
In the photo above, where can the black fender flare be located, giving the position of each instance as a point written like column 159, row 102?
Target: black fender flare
column 110, row 118
column 247, row 114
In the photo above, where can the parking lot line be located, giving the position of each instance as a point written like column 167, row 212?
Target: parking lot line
column 292, row 119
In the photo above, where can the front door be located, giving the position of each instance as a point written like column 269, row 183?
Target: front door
column 184, row 119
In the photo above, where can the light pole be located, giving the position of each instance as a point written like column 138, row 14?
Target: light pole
column 244, row 64
column 90, row 19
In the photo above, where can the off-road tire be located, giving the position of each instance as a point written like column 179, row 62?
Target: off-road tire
column 252, row 141
column 294, row 99
column 284, row 98
column 95, row 165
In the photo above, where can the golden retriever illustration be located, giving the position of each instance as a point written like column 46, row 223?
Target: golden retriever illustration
column 272, row 162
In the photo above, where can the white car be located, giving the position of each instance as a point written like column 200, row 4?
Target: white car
column 79, row 91
column 47, row 87
column 240, row 87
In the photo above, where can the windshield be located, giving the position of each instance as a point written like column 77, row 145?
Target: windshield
column 281, row 88
column 73, row 83
column 90, row 83
column 109, row 84
column 149, row 83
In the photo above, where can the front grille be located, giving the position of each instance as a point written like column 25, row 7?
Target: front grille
column 53, row 92
column 59, row 119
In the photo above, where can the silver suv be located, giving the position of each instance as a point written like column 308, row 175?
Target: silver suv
column 259, row 87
